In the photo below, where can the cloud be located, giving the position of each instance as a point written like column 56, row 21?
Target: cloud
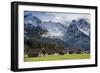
column 68, row 17
column 61, row 17
column 51, row 34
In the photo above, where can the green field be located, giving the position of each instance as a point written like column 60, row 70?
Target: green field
column 57, row 57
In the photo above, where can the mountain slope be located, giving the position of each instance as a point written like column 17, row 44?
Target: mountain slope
column 83, row 26
column 75, row 38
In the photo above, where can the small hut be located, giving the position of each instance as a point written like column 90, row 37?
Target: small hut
column 37, row 52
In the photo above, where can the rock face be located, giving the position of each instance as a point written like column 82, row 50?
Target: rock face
column 75, row 38
column 76, row 35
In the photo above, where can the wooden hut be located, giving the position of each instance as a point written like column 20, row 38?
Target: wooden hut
column 37, row 52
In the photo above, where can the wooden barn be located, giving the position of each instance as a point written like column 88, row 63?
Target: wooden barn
column 37, row 52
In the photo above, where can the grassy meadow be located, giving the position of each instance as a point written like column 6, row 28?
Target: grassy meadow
column 56, row 57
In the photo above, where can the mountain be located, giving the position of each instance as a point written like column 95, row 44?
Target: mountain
column 55, row 30
column 34, row 34
column 72, row 30
column 75, row 38
column 31, row 27
column 83, row 26
column 75, row 35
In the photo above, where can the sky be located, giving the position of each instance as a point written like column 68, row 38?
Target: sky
column 61, row 17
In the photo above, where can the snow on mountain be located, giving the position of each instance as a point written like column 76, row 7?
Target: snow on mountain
column 72, row 31
column 83, row 26
column 30, row 19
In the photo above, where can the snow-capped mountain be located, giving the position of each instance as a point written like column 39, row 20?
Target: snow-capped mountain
column 75, row 35
column 83, row 26
column 55, row 30
column 75, row 38
column 72, row 30
column 33, row 20
column 75, row 27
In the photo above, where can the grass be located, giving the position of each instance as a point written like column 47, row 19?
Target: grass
column 57, row 57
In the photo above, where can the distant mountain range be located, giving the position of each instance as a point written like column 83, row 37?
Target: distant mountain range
column 76, row 35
